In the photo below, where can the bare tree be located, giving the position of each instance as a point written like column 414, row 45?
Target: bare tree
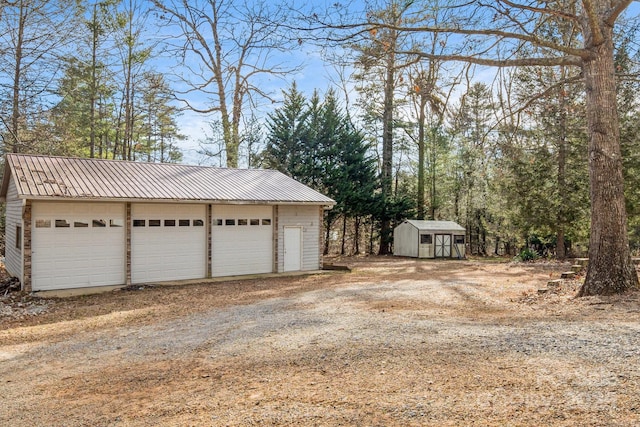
column 33, row 35
column 99, row 26
column 135, row 50
column 225, row 46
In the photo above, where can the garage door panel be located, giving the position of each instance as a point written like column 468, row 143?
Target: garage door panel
column 165, row 252
column 242, row 249
column 74, row 257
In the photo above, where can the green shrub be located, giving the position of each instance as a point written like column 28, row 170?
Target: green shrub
column 527, row 255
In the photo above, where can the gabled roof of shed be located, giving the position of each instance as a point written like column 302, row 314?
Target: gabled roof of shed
column 436, row 225
column 44, row 177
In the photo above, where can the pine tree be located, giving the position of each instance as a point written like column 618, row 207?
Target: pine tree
column 315, row 142
column 472, row 125
column 286, row 127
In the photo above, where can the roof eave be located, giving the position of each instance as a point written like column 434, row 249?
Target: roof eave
column 5, row 181
column 190, row 201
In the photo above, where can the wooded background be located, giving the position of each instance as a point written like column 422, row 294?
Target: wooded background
column 406, row 127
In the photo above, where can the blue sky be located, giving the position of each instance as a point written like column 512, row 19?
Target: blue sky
column 314, row 75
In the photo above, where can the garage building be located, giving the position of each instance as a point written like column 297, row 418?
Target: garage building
column 429, row 239
column 77, row 223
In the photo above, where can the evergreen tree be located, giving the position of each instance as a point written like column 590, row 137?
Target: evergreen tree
column 314, row 142
column 285, row 132
column 160, row 121
column 77, row 130
column 627, row 61
column 473, row 123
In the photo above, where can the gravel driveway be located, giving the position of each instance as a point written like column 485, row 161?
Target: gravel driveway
column 395, row 342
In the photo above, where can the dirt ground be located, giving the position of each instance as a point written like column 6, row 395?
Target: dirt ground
column 395, row 342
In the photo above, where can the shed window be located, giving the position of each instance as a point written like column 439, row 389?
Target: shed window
column 139, row 222
column 18, row 237
column 99, row 223
column 426, row 239
column 62, row 223
column 116, row 223
column 198, row 223
column 169, row 222
column 229, row 222
column 184, row 222
column 154, row 223
column 43, row 223
column 242, row 222
column 458, row 239
column 255, row 222
column 80, row 224
column 266, row 221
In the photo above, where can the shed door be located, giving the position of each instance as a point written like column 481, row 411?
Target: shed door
column 292, row 248
column 76, row 245
column 425, row 245
column 443, row 245
column 241, row 240
column 168, row 242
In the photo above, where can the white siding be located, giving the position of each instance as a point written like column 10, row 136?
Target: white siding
column 13, row 255
column 308, row 218
column 405, row 240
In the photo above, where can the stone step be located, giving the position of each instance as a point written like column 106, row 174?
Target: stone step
column 582, row 261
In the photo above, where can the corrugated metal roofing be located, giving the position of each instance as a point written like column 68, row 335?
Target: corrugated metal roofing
column 436, row 225
column 44, row 177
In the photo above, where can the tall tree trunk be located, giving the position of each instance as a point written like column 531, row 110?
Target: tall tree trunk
column 421, row 149
column 356, row 235
column 610, row 269
column 327, row 233
column 17, row 79
column 387, row 154
column 432, row 173
column 562, row 160
column 94, row 85
column 371, row 230
column 344, row 234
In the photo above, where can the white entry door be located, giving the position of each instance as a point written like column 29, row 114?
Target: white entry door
column 292, row 248
column 443, row 245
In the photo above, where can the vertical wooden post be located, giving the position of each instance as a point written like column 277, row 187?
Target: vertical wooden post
column 209, row 240
column 128, row 243
column 26, row 247
column 320, row 237
column 275, row 232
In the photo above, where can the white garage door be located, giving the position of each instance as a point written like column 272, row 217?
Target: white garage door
column 168, row 242
column 77, row 245
column 242, row 240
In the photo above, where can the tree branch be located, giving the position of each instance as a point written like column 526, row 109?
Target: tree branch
column 592, row 17
column 616, row 10
column 500, row 63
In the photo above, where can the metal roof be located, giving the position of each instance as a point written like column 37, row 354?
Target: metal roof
column 45, row 177
column 436, row 225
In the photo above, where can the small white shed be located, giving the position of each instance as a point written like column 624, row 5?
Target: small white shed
column 429, row 239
